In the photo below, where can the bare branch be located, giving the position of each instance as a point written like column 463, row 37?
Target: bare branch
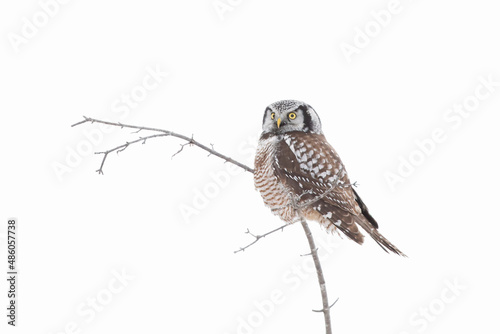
column 294, row 199
column 121, row 148
column 317, row 263
column 166, row 133
column 321, row 278
column 309, row 254
column 180, row 150
column 314, row 250
column 81, row 122
column 258, row 237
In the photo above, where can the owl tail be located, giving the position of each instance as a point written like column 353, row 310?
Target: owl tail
column 368, row 223
column 347, row 223
column 379, row 238
column 334, row 219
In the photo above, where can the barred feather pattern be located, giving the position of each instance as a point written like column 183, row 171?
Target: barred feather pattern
column 275, row 193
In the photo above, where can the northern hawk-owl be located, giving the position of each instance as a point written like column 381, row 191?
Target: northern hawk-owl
column 297, row 170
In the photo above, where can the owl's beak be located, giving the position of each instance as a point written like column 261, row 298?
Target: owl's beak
column 278, row 122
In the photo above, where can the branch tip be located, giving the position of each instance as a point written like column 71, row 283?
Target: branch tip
column 258, row 237
column 310, row 254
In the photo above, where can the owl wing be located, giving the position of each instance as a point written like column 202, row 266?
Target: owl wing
column 310, row 167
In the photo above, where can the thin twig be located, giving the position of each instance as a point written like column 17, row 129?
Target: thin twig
column 165, row 133
column 121, row 148
column 329, row 307
column 190, row 142
column 309, row 254
column 258, row 237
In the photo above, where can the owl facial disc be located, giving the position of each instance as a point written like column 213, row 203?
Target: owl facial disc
column 290, row 115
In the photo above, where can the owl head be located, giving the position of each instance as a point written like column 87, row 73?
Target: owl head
column 290, row 115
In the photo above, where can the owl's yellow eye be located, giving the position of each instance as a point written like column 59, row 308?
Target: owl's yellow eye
column 292, row 115
column 272, row 115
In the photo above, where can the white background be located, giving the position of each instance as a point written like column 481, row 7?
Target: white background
column 77, row 229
